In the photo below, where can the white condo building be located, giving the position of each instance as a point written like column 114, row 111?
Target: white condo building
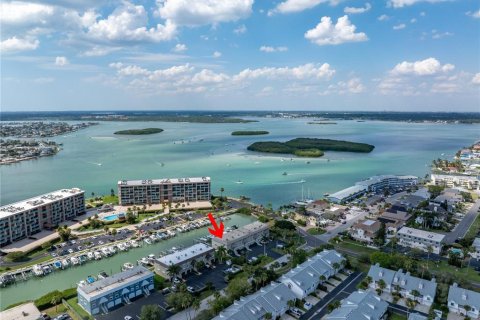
column 456, row 180
column 421, row 239
column 24, row 218
column 374, row 184
column 242, row 237
column 158, row 191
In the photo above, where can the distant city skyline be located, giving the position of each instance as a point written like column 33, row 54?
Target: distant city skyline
column 321, row 55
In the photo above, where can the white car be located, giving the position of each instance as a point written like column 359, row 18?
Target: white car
column 128, row 318
column 308, row 305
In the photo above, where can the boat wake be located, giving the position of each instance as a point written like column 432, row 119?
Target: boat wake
column 289, row 182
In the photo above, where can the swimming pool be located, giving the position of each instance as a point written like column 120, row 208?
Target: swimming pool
column 113, row 217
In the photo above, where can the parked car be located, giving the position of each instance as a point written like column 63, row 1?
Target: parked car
column 307, row 305
column 295, row 312
column 128, row 318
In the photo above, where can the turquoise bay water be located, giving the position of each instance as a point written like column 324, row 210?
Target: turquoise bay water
column 94, row 159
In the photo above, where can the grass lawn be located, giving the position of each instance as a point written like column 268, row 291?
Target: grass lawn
column 354, row 246
column 316, row 231
column 444, row 267
column 54, row 311
column 396, row 316
column 474, row 228
column 73, row 303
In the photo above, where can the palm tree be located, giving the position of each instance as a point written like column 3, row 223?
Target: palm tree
column 268, row 316
column 114, row 233
column 291, row 303
column 56, row 299
column 173, row 270
column 216, row 295
column 336, row 266
column 222, row 189
column 106, row 228
column 221, row 253
column 381, row 284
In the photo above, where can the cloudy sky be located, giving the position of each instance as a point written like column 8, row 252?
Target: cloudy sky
column 404, row 55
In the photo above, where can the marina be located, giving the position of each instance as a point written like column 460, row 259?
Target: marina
column 69, row 275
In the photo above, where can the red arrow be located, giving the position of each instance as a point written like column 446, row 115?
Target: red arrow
column 216, row 231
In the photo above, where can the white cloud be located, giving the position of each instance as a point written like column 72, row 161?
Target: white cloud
column 306, row 71
column 354, row 10
column 61, row 61
column 353, row 85
column 208, row 77
column 98, row 51
column 430, row 66
column 399, row 26
column 240, row 29
column 413, row 20
column 15, row 44
column 217, row 54
column 476, row 78
column 474, row 14
column 180, row 47
column 202, row 12
column 128, row 23
column 270, row 49
column 405, row 3
column 21, row 13
column 326, row 33
column 383, row 17
column 290, row 6
column 439, row 35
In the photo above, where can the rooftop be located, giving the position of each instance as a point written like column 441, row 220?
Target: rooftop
column 38, row 201
column 422, row 234
column 162, row 181
column 115, row 280
column 26, row 311
column 463, row 296
column 347, row 192
column 242, row 232
column 185, row 254
column 360, row 305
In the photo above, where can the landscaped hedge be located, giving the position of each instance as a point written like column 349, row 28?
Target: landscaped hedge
column 45, row 301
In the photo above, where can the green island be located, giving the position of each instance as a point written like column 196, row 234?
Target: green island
column 309, row 147
column 249, row 133
column 136, row 132
column 321, row 122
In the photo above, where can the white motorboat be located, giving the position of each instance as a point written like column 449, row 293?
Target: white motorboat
column 90, row 255
column 97, row 255
column 75, row 261
column 46, row 269
column 37, row 270
column 65, row 263
column 134, row 243
column 147, row 241
column 127, row 266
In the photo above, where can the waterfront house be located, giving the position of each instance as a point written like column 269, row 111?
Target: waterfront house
column 365, row 230
column 116, row 290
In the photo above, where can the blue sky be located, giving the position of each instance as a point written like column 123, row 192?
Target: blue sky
column 402, row 55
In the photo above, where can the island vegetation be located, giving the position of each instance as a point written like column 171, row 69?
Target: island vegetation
column 249, row 133
column 136, row 132
column 309, row 147
column 321, row 122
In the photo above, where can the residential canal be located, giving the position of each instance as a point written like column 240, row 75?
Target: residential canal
column 64, row 279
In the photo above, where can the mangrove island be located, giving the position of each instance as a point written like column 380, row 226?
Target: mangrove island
column 136, row 132
column 309, row 147
column 249, row 133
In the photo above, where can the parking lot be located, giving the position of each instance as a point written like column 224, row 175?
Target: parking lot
column 197, row 281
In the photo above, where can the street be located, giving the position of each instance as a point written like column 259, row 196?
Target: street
column 462, row 228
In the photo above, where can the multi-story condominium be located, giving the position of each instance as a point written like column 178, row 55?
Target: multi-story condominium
column 242, row 237
column 304, row 279
column 272, row 299
column 360, row 305
column 187, row 259
column 374, row 184
column 114, row 291
column 464, row 302
column 421, row 239
column 366, row 230
column 22, row 219
column 421, row 290
column 451, row 180
column 158, row 191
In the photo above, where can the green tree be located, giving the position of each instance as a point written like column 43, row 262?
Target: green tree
column 222, row 190
column 64, row 233
column 237, row 287
column 113, row 232
column 381, row 284
column 173, row 270
column 56, row 299
column 112, row 192
column 221, row 253
column 151, row 312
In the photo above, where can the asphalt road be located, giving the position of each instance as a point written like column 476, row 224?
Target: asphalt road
column 340, row 292
column 462, row 228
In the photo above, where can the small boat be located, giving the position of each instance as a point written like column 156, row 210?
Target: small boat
column 75, row 261
column 90, row 279
column 65, row 263
column 106, row 252
column 147, row 241
column 102, row 275
column 127, row 245
column 127, row 266
column 112, row 249
column 90, row 255
column 134, row 243
column 326, row 194
column 308, row 162
column 284, row 173
column 82, row 283
column 57, row 264
column 97, row 255
column 46, row 270
column 37, row 270
column 239, row 182
column 144, row 262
